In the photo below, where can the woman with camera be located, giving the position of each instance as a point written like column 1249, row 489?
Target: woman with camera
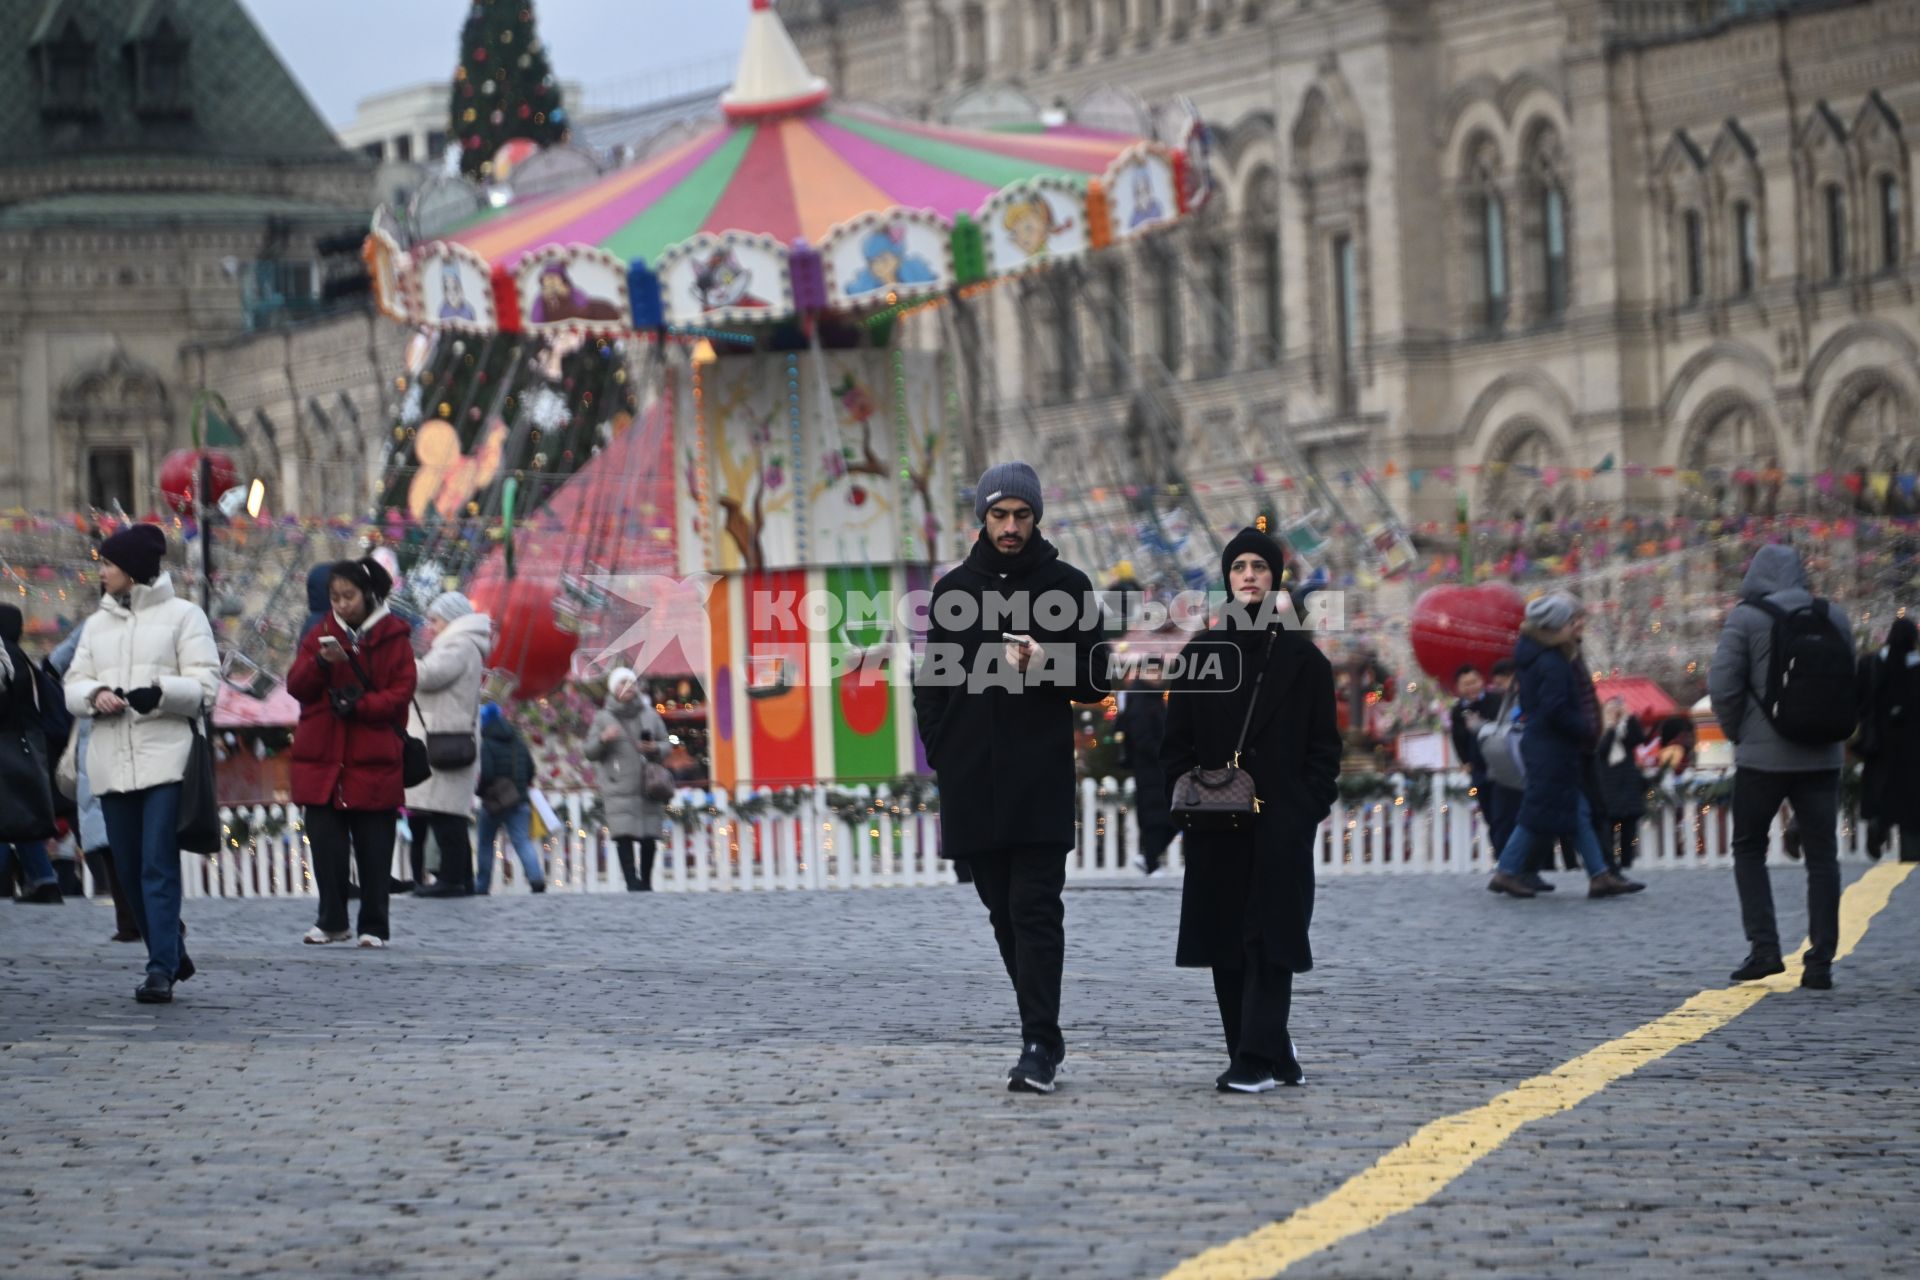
column 354, row 679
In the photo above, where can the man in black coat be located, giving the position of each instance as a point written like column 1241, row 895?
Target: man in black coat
column 1473, row 706
column 1009, row 650
column 1142, row 724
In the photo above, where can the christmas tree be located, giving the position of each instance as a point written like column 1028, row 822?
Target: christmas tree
column 504, row 88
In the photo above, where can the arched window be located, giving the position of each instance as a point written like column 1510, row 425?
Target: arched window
column 1346, row 304
column 1889, row 186
column 1553, row 249
column 1219, row 266
column 1746, row 247
column 1493, row 231
column 1262, row 241
column 1168, row 279
column 1835, row 198
column 1546, row 271
column 1113, row 312
column 1730, row 453
column 1875, row 439
column 1694, row 254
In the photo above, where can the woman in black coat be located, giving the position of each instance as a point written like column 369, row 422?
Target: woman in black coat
column 1889, row 741
column 1623, row 788
column 1248, row 898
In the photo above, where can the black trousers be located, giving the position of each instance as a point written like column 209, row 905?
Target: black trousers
column 341, row 839
column 623, row 848
column 1022, row 891
column 1815, row 797
column 1502, row 814
column 1620, row 840
column 453, row 837
column 1255, row 1002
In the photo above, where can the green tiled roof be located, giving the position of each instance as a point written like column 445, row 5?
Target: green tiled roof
column 150, row 208
column 243, row 103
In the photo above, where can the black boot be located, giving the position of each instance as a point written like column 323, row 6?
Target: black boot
column 1760, row 964
column 155, row 990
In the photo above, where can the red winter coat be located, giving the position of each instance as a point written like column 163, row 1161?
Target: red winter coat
column 352, row 763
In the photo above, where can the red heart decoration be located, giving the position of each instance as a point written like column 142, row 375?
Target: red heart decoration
column 1454, row 625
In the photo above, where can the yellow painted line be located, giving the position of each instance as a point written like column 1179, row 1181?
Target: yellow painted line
column 1422, row 1166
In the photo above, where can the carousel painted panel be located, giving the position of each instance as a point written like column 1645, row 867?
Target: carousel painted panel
column 883, row 258
column 741, row 474
column 1030, row 224
column 574, row 289
column 388, row 267
column 455, row 288
column 734, row 278
column 1141, row 190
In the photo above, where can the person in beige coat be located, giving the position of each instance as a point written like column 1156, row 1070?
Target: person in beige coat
column 625, row 735
column 447, row 700
column 145, row 670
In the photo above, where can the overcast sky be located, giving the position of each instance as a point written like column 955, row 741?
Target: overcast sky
column 346, row 50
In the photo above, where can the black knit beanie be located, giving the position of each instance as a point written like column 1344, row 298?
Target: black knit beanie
column 136, row 551
column 1261, row 544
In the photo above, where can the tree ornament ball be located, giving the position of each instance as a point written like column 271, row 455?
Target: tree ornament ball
column 527, row 639
column 1453, row 626
column 180, row 474
column 460, row 347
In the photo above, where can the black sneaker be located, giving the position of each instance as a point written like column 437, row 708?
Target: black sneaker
column 444, row 891
column 1035, row 1071
column 155, row 990
column 1290, row 1072
column 1760, row 964
column 1817, row 978
column 1248, row 1076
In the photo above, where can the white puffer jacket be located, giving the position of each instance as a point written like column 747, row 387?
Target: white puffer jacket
column 448, row 697
column 156, row 638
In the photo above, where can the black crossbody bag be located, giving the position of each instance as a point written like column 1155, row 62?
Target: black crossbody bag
column 1223, row 799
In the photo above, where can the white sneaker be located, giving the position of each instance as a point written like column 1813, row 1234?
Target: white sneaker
column 318, row 937
column 371, row 943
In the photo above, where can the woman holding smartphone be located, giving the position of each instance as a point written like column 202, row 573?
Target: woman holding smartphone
column 353, row 678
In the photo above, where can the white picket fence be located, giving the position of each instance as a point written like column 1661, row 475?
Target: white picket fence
column 893, row 845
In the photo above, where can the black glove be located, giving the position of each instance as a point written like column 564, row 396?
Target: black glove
column 343, row 700
column 144, row 700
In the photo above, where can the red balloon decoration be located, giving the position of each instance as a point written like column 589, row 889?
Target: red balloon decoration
column 180, row 473
column 526, row 639
column 1454, row 625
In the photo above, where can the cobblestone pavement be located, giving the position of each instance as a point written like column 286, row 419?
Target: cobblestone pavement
column 810, row 1084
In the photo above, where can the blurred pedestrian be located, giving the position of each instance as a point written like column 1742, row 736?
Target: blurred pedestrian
column 447, row 702
column 146, row 670
column 319, row 603
column 1474, row 705
column 506, row 804
column 1142, row 724
column 1889, row 742
column 1788, row 738
column 1561, row 729
column 1247, row 903
column 90, row 823
column 1623, row 787
column 626, row 735
column 353, row 678
column 27, row 820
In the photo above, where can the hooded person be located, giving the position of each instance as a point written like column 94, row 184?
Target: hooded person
column 1562, row 727
column 1266, row 704
column 447, row 702
column 317, row 604
column 27, row 819
column 353, row 677
column 506, row 788
column 1889, row 742
column 1010, row 649
column 626, row 734
column 1770, row 768
column 145, row 671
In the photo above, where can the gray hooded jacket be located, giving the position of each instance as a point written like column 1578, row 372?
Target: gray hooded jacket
column 1740, row 667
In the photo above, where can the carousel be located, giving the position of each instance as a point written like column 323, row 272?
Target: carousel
column 796, row 459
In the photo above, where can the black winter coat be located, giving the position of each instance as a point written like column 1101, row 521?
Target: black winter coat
column 26, row 781
column 1559, row 736
column 1004, row 755
column 1144, row 722
column 504, row 754
column 1623, row 788
column 1890, row 717
column 1256, row 888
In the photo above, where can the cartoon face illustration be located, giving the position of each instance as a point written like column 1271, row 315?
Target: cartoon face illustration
column 453, row 294
column 724, row 281
column 889, row 264
column 561, row 299
column 1029, row 224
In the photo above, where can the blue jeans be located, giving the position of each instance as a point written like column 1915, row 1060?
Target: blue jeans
column 518, row 823
column 1520, row 845
column 143, row 828
column 34, row 865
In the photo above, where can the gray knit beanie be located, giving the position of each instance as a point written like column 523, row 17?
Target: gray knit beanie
column 449, row 606
column 1008, row 480
column 1553, row 612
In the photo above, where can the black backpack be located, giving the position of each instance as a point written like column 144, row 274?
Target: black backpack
column 1810, row 694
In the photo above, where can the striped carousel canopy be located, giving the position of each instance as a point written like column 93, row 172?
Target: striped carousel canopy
column 790, row 206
